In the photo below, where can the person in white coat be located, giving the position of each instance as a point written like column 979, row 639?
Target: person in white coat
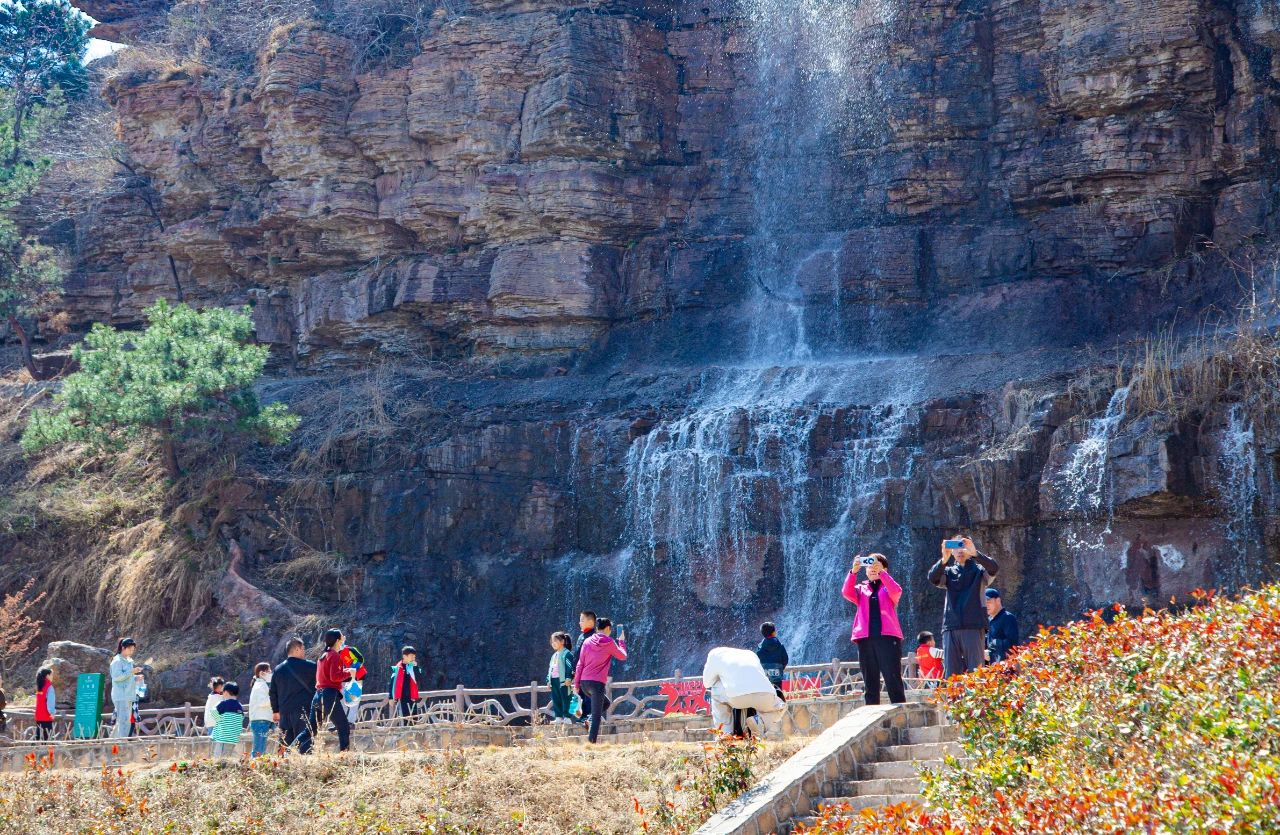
column 735, row 680
column 211, row 703
column 124, row 685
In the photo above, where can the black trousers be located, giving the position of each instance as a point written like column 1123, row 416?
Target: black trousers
column 327, row 706
column 407, row 707
column 878, row 657
column 43, row 729
column 599, row 704
column 295, row 725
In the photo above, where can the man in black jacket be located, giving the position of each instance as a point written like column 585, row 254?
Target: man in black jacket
column 1002, row 631
column 773, row 655
column 293, row 684
column 964, row 574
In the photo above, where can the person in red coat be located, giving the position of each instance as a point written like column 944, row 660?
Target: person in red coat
column 331, row 673
column 404, row 683
column 46, row 703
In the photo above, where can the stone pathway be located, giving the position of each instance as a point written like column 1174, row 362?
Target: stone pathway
column 893, row 777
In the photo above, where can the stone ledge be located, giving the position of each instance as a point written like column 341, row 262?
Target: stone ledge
column 794, row 785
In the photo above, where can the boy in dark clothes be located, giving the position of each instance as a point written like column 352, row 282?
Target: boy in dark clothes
column 773, row 655
column 586, row 628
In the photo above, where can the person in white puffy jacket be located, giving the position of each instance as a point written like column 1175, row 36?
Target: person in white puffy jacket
column 211, row 703
column 735, row 680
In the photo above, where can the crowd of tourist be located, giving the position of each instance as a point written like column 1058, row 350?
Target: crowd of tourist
column 297, row 698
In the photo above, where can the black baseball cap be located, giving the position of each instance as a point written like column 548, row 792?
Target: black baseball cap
column 990, row 593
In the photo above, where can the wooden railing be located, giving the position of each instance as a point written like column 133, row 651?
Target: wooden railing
column 498, row 706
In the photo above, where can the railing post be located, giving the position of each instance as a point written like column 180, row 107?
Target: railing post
column 835, row 676
column 190, row 722
column 533, row 703
column 459, row 704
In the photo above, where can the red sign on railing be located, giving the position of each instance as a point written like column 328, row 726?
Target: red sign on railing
column 801, row 686
column 685, row 697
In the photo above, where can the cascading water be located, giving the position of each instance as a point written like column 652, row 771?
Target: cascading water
column 1084, row 483
column 769, row 476
column 1239, row 482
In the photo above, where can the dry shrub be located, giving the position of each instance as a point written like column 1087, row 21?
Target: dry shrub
column 111, row 541
column 1179, row 376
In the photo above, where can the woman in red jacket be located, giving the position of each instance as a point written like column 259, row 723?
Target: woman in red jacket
column 331, row 674
column 46, row 705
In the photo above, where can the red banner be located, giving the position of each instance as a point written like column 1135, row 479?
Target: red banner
column 685, row 697
column 800, row 687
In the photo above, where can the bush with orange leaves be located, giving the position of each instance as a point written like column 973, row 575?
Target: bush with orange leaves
column 1164, row 722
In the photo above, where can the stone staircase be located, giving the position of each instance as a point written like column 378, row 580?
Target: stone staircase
column 892, row 777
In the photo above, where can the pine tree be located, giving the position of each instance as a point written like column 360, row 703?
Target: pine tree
column 189, row 371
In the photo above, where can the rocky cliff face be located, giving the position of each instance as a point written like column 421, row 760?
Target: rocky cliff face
column 595, row 216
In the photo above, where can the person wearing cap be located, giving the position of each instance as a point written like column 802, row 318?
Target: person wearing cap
column 1002, row 627
column 964, row 574
column 124, row 686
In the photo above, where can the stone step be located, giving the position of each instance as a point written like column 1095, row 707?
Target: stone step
column 872, row 801
column 920, row 751
column 931, row 733
column 881, row 785
column 894, row 769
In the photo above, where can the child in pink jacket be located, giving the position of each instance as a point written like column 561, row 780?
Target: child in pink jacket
column 876, row 630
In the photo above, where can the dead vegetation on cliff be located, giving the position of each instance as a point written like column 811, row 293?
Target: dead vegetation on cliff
column 1234, row 359
column 226, row 38
column 107, row 536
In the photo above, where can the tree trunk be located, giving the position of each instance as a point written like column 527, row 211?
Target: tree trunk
column 169, row 451
column 24, row 339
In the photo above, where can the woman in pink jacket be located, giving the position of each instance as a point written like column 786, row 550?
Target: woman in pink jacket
column 876, row 630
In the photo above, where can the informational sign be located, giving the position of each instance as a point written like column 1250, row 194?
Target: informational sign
column 89, row 698
column 685, row 697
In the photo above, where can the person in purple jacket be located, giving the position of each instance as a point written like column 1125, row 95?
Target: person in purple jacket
column 876, row 630
column 592, row 672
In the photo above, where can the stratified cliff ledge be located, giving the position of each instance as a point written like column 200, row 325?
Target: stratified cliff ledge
column 560, row 205
column 540, row 172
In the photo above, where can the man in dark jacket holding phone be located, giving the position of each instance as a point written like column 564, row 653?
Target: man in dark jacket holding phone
column 293, row 684
column 964, row 573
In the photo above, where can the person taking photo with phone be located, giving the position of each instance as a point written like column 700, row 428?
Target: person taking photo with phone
column 876, row 630
column 964, row 574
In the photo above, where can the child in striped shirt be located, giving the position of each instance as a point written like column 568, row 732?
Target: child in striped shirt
column 226, row 731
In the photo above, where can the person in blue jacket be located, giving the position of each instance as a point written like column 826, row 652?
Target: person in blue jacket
column 1002, row 627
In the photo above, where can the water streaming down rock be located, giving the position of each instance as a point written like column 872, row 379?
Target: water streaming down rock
column 750, row 499
column 1084, row 484
column 1239, row 487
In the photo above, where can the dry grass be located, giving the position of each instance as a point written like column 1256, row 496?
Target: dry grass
column 538, row 790
column 110, row 540
column 1239, row 359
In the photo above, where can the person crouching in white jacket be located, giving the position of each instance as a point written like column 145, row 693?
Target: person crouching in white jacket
column 735, row 680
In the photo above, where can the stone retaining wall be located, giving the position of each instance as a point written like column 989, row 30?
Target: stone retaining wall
column 793, row 786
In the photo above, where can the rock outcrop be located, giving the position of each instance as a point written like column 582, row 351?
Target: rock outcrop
column 561, row 205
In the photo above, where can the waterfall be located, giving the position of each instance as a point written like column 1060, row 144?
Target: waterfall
column 1239, row 482
column 1084, row 483
column 747, row 503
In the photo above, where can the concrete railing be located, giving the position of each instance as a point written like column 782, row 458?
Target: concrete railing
column 496, row 706
column 792, row 788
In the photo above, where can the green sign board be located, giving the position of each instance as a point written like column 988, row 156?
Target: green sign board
column 89, row 697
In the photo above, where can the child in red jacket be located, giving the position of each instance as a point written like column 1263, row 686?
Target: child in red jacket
column 404, row 683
